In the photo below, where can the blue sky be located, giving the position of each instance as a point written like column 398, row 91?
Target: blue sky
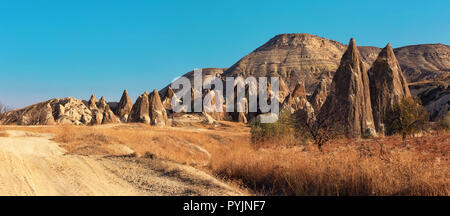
column 52, row 49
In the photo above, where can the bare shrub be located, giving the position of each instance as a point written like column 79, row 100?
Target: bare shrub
column 320, row 130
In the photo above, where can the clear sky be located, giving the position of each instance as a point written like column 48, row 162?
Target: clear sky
column 51, row 49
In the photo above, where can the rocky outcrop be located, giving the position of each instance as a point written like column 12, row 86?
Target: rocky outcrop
column 319, row 96
column 293, row 58
column 124, row 107
column 140, row 110
column 388, row 86
column 297, row 101
column 349, row 100
column 92, row 104
column 158, row 115
column 435, row 97
column 422, row 62
column 168, row 97
column 55, row 111
column 101, row 112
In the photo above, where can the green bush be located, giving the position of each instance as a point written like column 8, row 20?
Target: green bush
column 407, row 118
column 270, row 131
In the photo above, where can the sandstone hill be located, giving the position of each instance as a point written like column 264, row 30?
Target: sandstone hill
column 313, row 61
column 425, row 62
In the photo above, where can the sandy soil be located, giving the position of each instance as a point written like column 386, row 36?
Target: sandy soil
column 32, row 164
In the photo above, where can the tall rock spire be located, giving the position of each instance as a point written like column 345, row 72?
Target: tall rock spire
column 349, row 100
column 388, row 86
column 158, row 115
column 139, row 111
column 124, row 107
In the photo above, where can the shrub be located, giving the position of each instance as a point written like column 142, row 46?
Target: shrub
column 261, row 132
column 320, row 130
column 407, row 118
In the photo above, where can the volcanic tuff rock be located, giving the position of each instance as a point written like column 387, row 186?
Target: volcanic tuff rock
column 92, row 104
column 294, row 58
column 297, row 101
column 124, row 107
column 387, row 86
column 140, row 110
column 55, row 111
column 158, row 115
column 102, row 114
column 425, row 62
column 435, row 97
column 206, row 73
column 349, row 99
column 319, row 96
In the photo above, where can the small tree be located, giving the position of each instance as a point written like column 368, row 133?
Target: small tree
column 320, row 130
column 407, row 118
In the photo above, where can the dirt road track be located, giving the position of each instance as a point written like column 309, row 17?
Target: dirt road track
column 32, row 164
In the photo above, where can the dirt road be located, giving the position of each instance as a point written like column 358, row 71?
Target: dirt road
column 32, row 164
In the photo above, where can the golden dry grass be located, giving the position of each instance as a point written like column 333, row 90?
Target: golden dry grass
column 381, row 166
column 350, row 168
column 3, row 134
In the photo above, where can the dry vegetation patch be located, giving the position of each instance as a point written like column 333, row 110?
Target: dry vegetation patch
column 378, row 166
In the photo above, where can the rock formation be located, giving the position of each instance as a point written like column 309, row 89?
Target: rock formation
column 140, row 110
column 297, row 101
column 92, row 104
column 349, row 100
column 124, row 107
column 101, row 112
column 387, row 86
column 319, row 96
column 158, row 115
column 435, row 97
column 168, row 97
column 425, row 62
column 55, row 111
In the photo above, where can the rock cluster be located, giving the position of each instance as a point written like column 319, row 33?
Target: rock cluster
column 55, row 111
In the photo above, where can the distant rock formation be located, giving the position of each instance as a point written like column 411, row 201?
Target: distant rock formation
column 158, row 115
column 319, row 96
column 349, row 99
column 435, row 97
column 425, row 62
column 388, row 86
column 124, row 107
column 101, row 112
column 140, row 110
column 55, row 111
column 92, row 104
column 297, row 101
column 167, row 99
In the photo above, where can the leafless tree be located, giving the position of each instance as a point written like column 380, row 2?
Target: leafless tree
column 320, row 130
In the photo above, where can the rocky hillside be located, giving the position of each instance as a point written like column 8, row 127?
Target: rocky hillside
column 425, row 62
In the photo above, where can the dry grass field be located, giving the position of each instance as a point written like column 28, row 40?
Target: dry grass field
column 378, row 166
